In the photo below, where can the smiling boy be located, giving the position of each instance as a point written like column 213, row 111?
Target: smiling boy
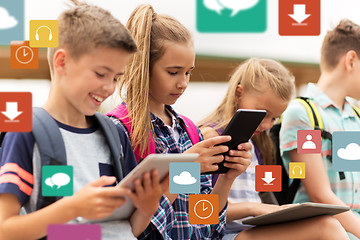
column 94, row 48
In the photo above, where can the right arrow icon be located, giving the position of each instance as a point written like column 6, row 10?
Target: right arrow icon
column 299, row 14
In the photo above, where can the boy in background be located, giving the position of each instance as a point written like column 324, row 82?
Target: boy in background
column 340, row 77
column 94, row 48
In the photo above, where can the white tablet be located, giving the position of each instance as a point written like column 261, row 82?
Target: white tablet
column 153, row 161
column 297, row 212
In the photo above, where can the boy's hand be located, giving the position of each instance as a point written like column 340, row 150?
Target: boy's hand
column 208, row 152
column 94, row 201
column 238, row 161
column 147, row 193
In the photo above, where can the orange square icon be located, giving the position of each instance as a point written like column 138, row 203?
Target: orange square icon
column 203, row 209
column 15, row 111
column 268, row 178
column 299, row 17
column 23, row 56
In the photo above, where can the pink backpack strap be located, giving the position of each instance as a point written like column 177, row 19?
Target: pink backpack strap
column 191, row 129
column 121, row 113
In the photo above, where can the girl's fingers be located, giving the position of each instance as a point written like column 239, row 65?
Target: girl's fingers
column 238, row 160
column 207, row 143
column 245, row 146
column 138, row 188
column 155, row 178
column 146, row 181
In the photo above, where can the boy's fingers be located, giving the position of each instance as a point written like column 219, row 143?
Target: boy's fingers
column 103, row 181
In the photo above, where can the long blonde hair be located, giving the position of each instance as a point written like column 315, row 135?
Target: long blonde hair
column 253, row 75
column 151, row 31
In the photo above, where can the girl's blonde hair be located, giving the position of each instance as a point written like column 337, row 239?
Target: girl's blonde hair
column 254, row 75
column 151, row 31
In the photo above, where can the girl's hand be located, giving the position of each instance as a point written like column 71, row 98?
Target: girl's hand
column 147, row 194
column 238, row 161
column 95, row 201
column 209, row 153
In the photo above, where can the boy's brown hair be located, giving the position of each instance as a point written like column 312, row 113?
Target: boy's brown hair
column 85, row 27
column 337, row 42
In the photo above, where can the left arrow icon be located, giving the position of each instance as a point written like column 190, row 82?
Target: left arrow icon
column 11, row 110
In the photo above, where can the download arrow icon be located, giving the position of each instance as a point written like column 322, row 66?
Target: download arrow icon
column 11, row 110
column 299, row 14
column 268, row 178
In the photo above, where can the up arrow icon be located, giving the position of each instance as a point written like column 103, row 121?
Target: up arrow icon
column 11, row 110
column 268, row 178
column 299, row 14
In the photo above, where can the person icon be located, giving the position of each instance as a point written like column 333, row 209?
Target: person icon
column 309, row 144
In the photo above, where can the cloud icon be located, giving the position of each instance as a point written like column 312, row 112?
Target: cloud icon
column 184, row 178
column 6, row 21
column 351, row 152
column 234, row 5
column 58, row 179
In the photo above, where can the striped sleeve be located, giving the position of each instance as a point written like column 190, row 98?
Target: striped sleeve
column 294, row 118
column 16, row 172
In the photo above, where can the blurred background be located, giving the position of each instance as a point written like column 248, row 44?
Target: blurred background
column 217, row 53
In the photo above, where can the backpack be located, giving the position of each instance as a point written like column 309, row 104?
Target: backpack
column 288, row 192
column 52, row 151
column 121, row 113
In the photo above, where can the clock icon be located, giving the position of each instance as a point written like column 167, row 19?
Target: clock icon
column 203, row 209
column 24, row 54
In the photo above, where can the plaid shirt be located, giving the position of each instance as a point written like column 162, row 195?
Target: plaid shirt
column 172, row 220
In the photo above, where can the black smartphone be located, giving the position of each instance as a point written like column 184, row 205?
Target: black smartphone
column 241, row 127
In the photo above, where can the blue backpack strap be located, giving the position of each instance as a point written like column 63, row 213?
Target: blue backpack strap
column 51, row 147
column 113, row 138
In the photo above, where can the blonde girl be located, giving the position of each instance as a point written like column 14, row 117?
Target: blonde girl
column 154, row 79
column 261, row 84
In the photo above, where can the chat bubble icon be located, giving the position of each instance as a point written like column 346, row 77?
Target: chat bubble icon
column 238, row 5
column 213, row 5
column 49, row 182
column 58, row 179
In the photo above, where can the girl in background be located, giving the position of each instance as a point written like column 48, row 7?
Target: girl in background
column 261, row 84
column 154, row 79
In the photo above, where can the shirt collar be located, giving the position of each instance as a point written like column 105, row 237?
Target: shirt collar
column 175, row 117
column 323, row 101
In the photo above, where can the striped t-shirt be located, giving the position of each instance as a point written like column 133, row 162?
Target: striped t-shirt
column 296, row 118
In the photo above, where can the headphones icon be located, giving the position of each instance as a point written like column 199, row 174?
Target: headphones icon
column 293, row 170
column 37, row 34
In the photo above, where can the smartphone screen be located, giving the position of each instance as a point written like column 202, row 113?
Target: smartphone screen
column 241, row 127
